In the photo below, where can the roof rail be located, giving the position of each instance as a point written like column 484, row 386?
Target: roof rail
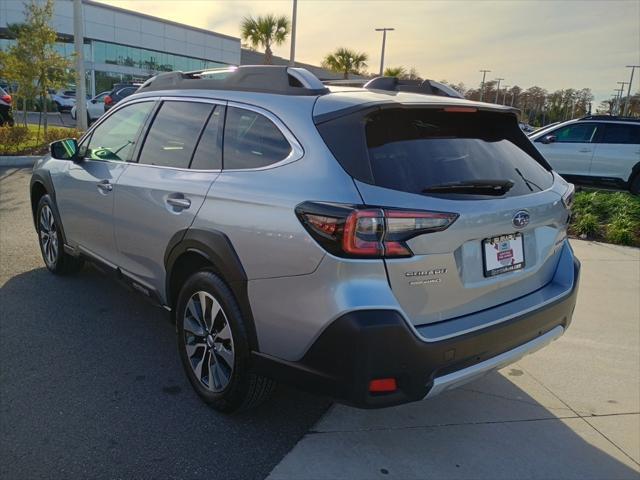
column 276, row 79
column 610, row 117
column 428, row 87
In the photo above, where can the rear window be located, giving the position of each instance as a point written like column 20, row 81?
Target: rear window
column 416, row 149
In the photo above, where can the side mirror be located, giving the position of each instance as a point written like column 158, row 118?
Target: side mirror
column 548, row 139
column 66, row 149
column 94, row 101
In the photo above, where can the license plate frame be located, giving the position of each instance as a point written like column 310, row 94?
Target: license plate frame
column 508, row 250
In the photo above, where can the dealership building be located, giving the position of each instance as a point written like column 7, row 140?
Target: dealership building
column 121, row 45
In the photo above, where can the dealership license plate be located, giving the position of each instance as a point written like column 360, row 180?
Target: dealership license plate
column 503, row 254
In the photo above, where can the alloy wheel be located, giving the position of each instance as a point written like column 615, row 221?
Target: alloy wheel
column 208, row 341
column 48, row 235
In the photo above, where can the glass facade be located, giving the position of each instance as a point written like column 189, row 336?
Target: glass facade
column 114, row 54
column 146, row 62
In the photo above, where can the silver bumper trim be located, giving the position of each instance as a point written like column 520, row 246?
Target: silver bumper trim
column 455, row 379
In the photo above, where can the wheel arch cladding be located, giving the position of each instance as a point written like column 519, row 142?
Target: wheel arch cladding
column 191, row 250
column 40, row 185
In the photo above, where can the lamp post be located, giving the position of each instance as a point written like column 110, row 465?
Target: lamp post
column 622, row 84
column 484, row 75
column 384, row 41
column 498, row 89
column 627, row 104
column 78, row 38
column 504, row 97
column 292, row 55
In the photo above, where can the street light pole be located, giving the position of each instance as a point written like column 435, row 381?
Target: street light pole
column 622, row 84
column 504, row 97
column 292, row 55
column 627, row 104
column 616, row 102
column 384, row 41
column 78, row 38
column 498, row 89
column 484, row 75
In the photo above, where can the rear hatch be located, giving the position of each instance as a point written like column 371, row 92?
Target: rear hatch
column 478, row 165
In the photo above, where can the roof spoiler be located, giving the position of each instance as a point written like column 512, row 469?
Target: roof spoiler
column 427, row 87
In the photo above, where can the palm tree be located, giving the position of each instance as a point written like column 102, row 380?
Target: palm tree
column 398, row 72
column 265, row 31
column 345, row 61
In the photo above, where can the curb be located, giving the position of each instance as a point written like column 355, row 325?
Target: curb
column 18, row 161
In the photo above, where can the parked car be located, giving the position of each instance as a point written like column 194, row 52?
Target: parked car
column 119, row 92
column 377, row 248
column 95, row 107
column 597, row 149
column 6, row 115
column 65, row 100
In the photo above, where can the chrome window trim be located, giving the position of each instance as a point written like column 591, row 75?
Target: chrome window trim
column 296, row 153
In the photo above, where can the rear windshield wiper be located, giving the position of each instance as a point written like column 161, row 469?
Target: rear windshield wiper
column 477, row 187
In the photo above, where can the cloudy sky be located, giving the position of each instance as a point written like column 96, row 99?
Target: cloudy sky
column 553, row 44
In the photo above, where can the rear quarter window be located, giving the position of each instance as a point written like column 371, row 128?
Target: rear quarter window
column 251, row 140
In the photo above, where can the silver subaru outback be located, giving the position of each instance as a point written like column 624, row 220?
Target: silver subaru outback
column 378, row 245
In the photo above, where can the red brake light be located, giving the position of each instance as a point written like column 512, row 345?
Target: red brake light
column 108, row 100
column 383, row 385
column 6, row 98
column 363, row 232
column 461, row 109
column 369, row 232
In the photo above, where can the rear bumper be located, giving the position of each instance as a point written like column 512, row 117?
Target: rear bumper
column 371, row 344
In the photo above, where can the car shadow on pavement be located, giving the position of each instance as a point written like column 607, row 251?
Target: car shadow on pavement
column 504, row 425
column 92, row 385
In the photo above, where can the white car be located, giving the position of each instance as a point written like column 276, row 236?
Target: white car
column 95, row 107
column 598, row 149
column 65, row 100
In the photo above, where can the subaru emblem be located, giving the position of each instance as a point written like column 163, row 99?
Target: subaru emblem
column 521, row 219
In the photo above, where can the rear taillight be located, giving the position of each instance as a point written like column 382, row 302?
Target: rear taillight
column 362, row 232
column 6, row 98
column 567, row 197
column 108, row 100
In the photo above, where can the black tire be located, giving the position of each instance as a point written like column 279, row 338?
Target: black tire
column 55, row 258
column 244, row 389
column 634, row 185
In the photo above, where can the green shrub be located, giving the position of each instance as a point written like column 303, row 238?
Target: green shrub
column 620, row 231
column 586, row 224
column 610, row 216
column 55, row 133
column 12, row 139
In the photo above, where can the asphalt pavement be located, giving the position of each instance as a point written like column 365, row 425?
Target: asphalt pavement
column 91, row 385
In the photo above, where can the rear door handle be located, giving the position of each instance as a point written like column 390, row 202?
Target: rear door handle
column 181, row 203
column 104, row 186
column 585, row 150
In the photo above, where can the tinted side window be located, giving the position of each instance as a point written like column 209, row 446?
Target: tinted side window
column 618, row 133
column 578, row 133
column 251, row 140
column 209, row 152
column 174, row 133
column 114, row 139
